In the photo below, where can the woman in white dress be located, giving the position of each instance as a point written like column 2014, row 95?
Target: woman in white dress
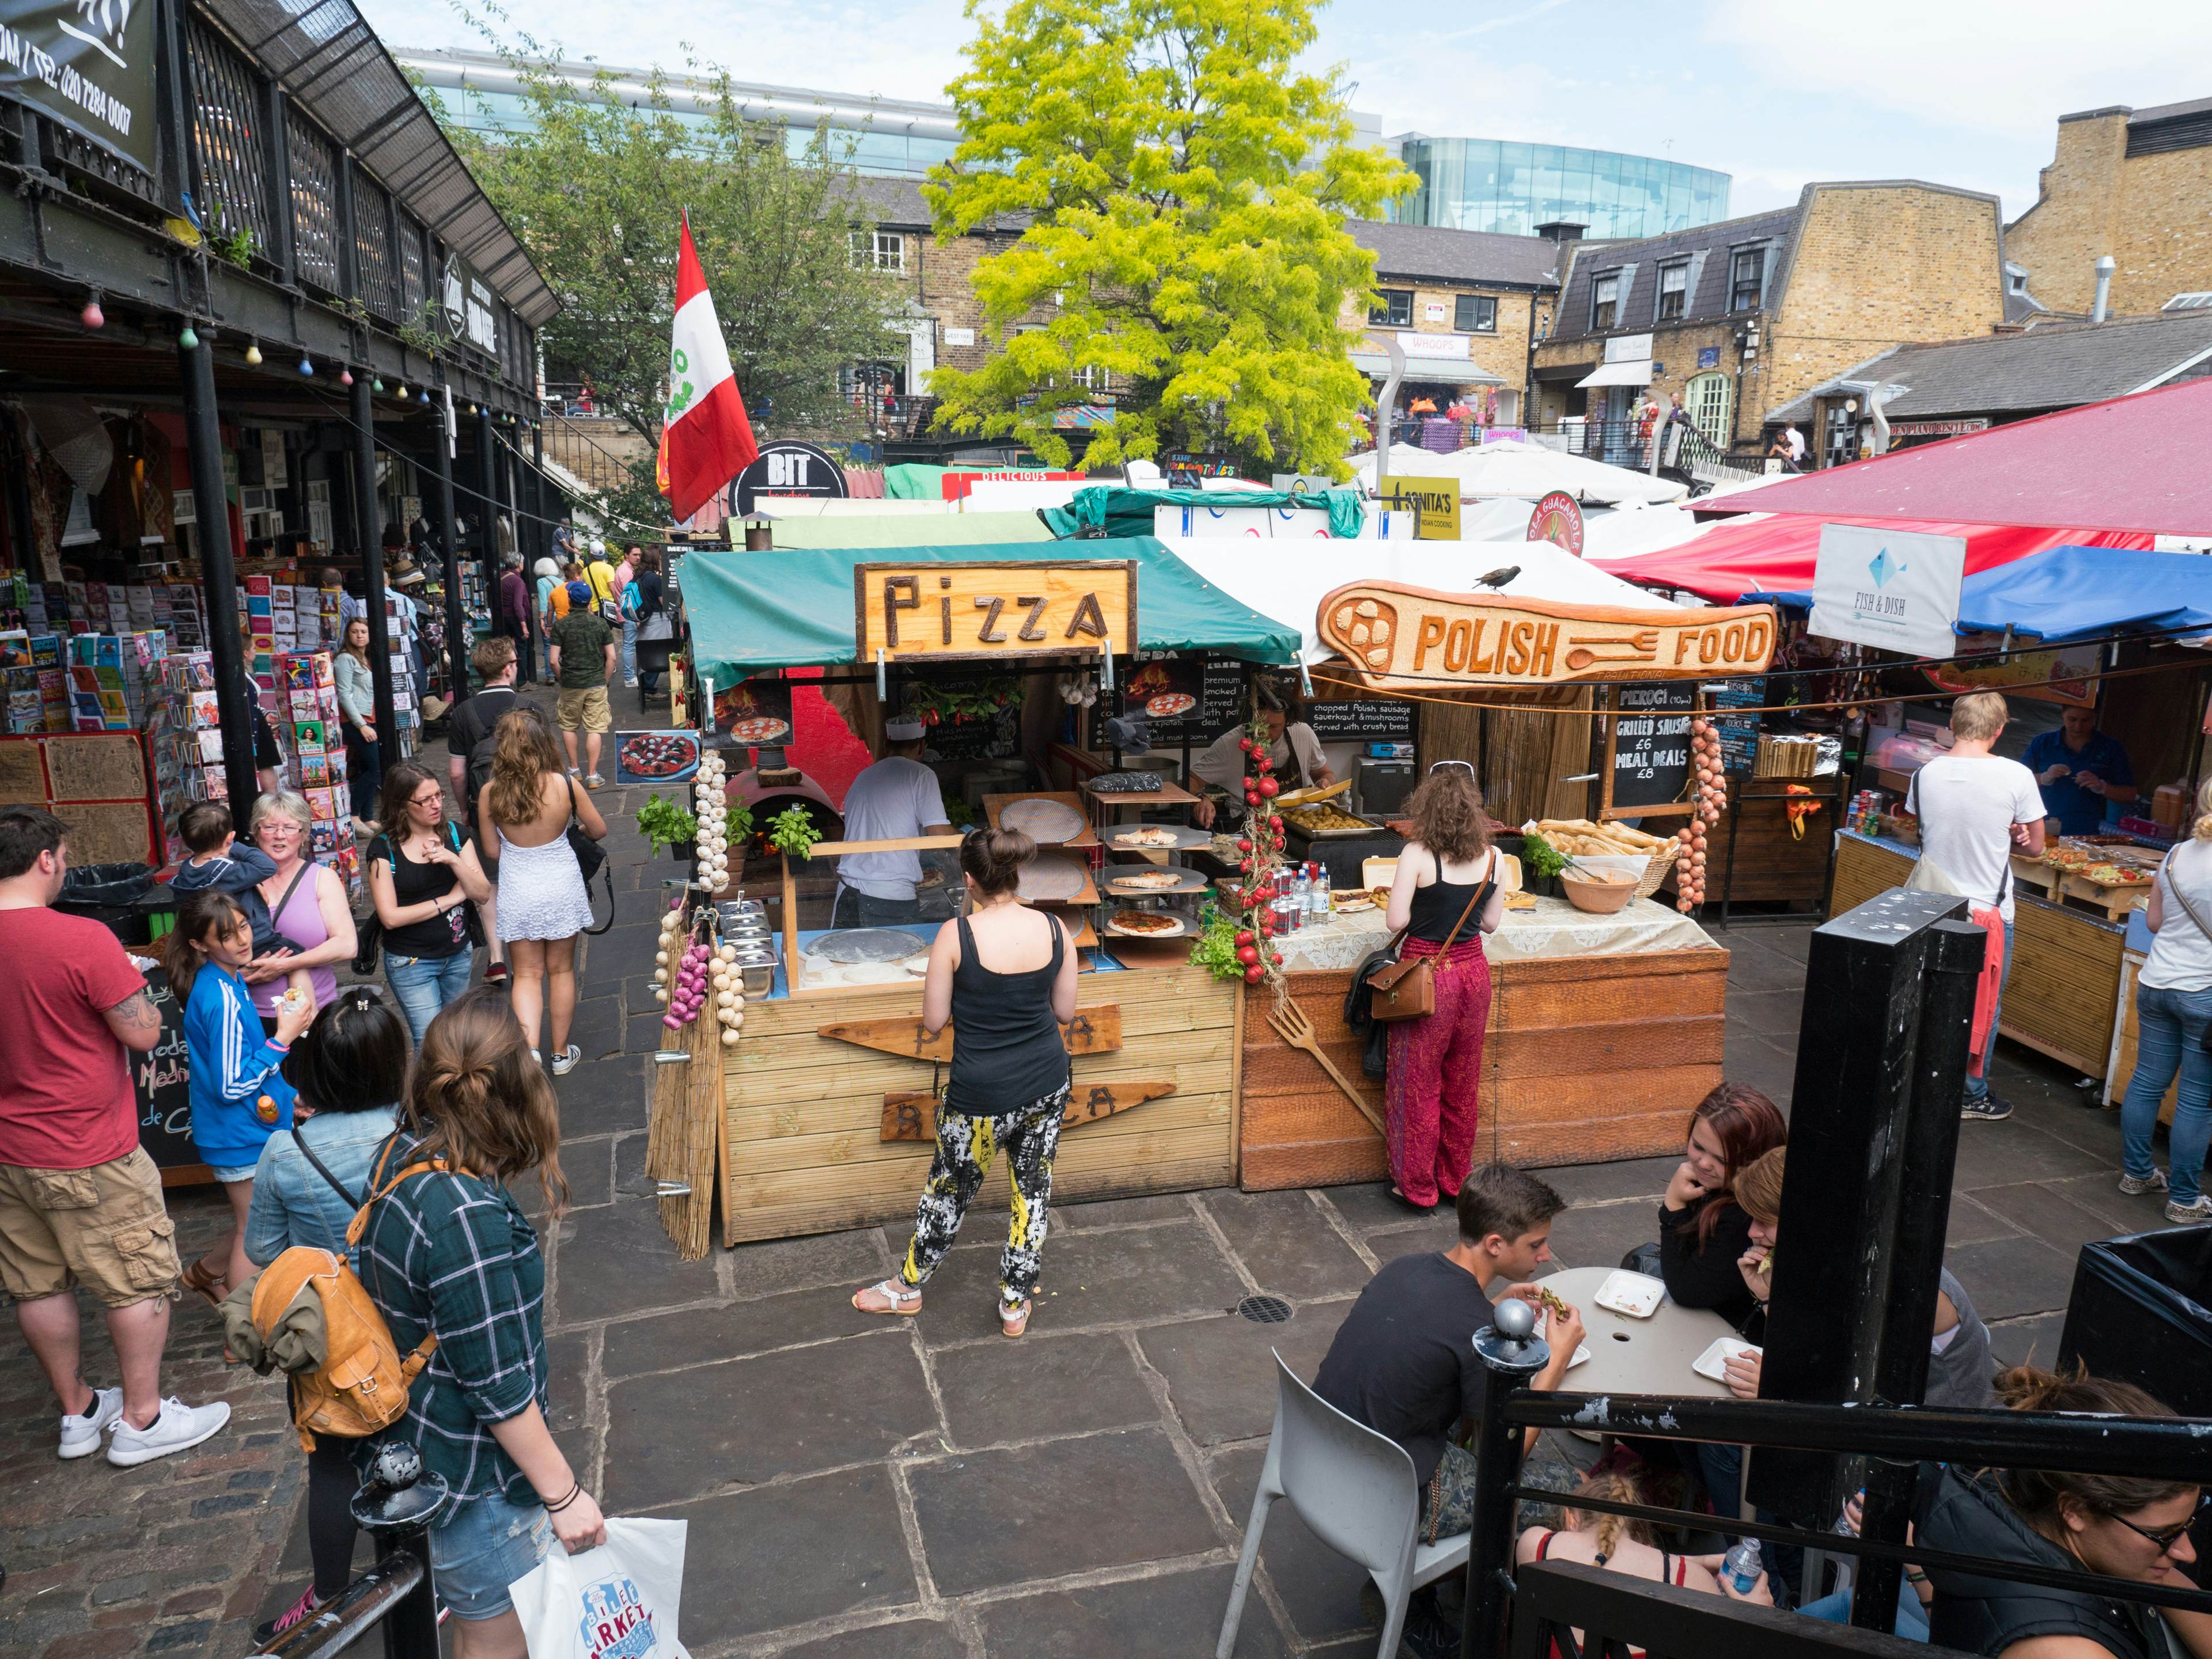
column 542, row 904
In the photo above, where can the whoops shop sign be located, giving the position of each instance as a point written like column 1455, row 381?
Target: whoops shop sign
column 87, row 64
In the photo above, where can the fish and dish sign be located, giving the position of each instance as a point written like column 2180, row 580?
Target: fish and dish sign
column 1402, row 637
column 941, row 612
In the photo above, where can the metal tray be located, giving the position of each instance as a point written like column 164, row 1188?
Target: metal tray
column 1187, row 881
column 851, row 944
column 1186, row 838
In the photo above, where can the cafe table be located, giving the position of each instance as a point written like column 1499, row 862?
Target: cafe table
column 1636, row 1356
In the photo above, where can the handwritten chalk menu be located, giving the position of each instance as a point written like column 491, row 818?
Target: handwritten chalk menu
column 1739, row 735
column 159, row 1078
column 1648, row 750
column 1382, row 720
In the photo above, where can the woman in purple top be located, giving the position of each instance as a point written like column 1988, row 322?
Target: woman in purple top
column 315, row 911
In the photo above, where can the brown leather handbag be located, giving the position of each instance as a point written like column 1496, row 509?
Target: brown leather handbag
column 1407, row 989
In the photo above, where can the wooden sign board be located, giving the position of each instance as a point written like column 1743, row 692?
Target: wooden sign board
column 1398, row 637
column 911, row 1114
column 1008, row 608
column 1092, row 1031
column 1437, row 501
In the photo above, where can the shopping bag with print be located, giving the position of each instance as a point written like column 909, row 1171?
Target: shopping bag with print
column 617, row 1602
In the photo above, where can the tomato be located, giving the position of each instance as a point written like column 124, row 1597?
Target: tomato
column 1244, row 843
column 1243, row 936
column 1255, row 973
column 1248, row 954
column 1269, row 787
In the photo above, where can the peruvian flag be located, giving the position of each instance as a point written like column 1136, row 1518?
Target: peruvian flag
column 705, row 439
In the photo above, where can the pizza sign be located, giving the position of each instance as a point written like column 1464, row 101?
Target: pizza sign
column 1401, row 637
column 1008, row 608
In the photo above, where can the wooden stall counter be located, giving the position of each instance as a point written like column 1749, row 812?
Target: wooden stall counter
column 1605, row 1032
column 809, row 1118
column 2065, row 981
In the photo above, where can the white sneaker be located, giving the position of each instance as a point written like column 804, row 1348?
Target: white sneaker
column 565, row 1061
column 629, row 685
column 179, row 1428
column 81, row 1435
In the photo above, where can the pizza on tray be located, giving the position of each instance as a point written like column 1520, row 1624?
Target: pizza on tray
column 1145, row 837
column 1147, row 881
column 1145, row 923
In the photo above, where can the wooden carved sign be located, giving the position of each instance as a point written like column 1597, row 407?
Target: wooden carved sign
column 1396, row 636
column 1092, row 1031
column 911, row 1114
column 1004, row 608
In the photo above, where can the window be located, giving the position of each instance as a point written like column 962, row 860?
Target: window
column 1475, row 313
column 2195, row 302
column 1709, row 399
column 1747, row 279
column 1605, row 300
column 1673, row 291
column 882, row 249
column 1396, row 309
column 1094, row 380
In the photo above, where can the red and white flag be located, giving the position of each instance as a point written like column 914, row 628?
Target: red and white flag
column 705, row 439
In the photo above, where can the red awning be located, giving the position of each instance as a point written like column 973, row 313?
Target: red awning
column 1776, row 554
column 2135, row 463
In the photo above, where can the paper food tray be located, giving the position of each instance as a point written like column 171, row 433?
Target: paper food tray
column 1637, row 1295
column 1713, row 1362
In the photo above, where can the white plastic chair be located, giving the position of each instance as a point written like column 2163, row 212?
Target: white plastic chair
column 1355, row 1489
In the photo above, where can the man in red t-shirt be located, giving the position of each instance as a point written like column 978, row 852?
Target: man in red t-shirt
column 80, row 1201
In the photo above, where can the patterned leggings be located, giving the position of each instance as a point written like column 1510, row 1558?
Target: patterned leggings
column 965, row 1147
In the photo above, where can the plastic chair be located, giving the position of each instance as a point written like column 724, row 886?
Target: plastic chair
column 1355, row 1489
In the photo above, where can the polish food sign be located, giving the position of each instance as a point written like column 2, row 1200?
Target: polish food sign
column 1397, row 636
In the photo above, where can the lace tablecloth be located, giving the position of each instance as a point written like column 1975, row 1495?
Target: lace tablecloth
column 1553, row 928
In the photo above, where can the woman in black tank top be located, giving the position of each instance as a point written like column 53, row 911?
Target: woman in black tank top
column 1446, row 897
column 1009, row 1081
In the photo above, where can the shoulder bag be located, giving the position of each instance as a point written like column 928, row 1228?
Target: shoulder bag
column 1406, row 988
column 590, row 855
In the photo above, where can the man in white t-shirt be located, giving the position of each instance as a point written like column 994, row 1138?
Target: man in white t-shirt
column 895, row 798
column 1975, row 809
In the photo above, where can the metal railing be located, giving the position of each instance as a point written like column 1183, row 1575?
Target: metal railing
column 1506, row 1621
column 597, row 449
column 397, row 1504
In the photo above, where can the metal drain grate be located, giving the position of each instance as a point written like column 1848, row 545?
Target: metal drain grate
column 1264, row 1309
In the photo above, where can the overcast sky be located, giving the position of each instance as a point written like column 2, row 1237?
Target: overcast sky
column 1961, row 92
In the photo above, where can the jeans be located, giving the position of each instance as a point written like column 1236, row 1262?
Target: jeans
column 2171, row 1026
column 525, row 671
column 423, row 985
column 364, row 773
column 1911, row 1617
column 1978, row 1088
column 630, row 650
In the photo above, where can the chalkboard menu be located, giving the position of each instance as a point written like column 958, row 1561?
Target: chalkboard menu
column 1388, row 720
column 965, row 728
column 1739, row 735
column 159, row 1078
column 1648, row 750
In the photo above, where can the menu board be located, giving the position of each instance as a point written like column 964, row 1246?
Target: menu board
column 1739, row 735
column 1388, row 720
column 1215, row 683
column 971, row 716
column 1648, row 750
column 755, row 713
column 160, row 1080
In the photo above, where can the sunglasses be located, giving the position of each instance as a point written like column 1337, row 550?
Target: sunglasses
column 1440, row 766
column 2164, row 1536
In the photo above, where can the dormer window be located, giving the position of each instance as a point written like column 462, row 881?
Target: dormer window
column 1674, row 290
column 1747, row 279
column 1605, row 301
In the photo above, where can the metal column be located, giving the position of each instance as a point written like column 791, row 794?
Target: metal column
column 457, row 615
column 371, row 566
column 541, row 508
column 234, row 692
column 487, row 483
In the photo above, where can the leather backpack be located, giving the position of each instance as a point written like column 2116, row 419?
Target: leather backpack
column 361, row 1387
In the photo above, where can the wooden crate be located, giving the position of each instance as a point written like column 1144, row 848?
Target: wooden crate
column 803, row 1146
column 1588, row 1059
column 1864, row 870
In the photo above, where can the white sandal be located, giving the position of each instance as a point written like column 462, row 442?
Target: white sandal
column 1014, row 1321
column 906, row 1302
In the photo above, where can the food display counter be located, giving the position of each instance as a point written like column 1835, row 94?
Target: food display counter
column 1605, row 1032
column 2066, row 959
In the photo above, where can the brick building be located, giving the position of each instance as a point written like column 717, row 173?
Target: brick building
column 1743, row 317
column 2133, row 184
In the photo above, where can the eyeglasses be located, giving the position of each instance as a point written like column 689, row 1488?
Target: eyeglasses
column 2164, row 1536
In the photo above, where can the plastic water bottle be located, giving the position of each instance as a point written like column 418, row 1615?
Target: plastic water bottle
column 1319, row 907
column 1742, row 1566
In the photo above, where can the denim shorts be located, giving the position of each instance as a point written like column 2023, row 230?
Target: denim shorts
column 225, row 1172
column 488, row 1546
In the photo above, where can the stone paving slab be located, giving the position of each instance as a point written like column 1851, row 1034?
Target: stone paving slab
column 1176, row 1615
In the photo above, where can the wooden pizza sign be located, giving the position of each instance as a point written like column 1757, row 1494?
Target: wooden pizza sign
column 1005, row 608
column 1396, row 636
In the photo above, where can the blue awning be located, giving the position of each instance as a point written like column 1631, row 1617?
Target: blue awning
column 2066, row 592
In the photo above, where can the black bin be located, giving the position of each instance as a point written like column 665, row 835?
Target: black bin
column 2141, row 1312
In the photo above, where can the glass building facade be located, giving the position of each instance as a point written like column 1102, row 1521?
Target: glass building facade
column 1489, row 184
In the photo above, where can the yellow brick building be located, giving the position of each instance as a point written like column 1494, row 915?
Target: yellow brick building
column 2132, row 184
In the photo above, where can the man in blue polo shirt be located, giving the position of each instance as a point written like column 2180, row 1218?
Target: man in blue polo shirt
column 2078, row 768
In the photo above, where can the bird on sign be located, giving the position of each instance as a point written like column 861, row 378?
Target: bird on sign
column 1499, row 577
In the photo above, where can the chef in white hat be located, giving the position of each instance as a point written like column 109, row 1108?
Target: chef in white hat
column 895, row 800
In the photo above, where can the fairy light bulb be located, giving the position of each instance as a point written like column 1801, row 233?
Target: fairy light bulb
column 307, row 364
column 92, row 316
column 186, row 340
column 345, row 377
column 254, row 353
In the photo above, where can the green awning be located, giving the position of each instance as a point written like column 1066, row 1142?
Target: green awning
column 913, row 481
column 1129, row 512
column 748, row 612
column 905, row 529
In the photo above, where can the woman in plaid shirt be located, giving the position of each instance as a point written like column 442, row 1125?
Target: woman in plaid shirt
column 449, row 1253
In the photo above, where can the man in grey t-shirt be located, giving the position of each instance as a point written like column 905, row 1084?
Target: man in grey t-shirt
column 895, row 798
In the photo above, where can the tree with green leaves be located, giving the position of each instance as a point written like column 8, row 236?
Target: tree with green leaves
column 1185, row 190
column 593, row 186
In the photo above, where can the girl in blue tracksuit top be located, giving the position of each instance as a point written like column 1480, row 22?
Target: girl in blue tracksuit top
column 238, row 1098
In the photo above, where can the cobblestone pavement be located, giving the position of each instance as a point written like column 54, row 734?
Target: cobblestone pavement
column 870, row 1489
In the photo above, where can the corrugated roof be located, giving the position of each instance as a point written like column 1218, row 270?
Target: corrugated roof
column 331, row 63
column 1459, row 256
column 1640, row 303
column 2053, row 366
